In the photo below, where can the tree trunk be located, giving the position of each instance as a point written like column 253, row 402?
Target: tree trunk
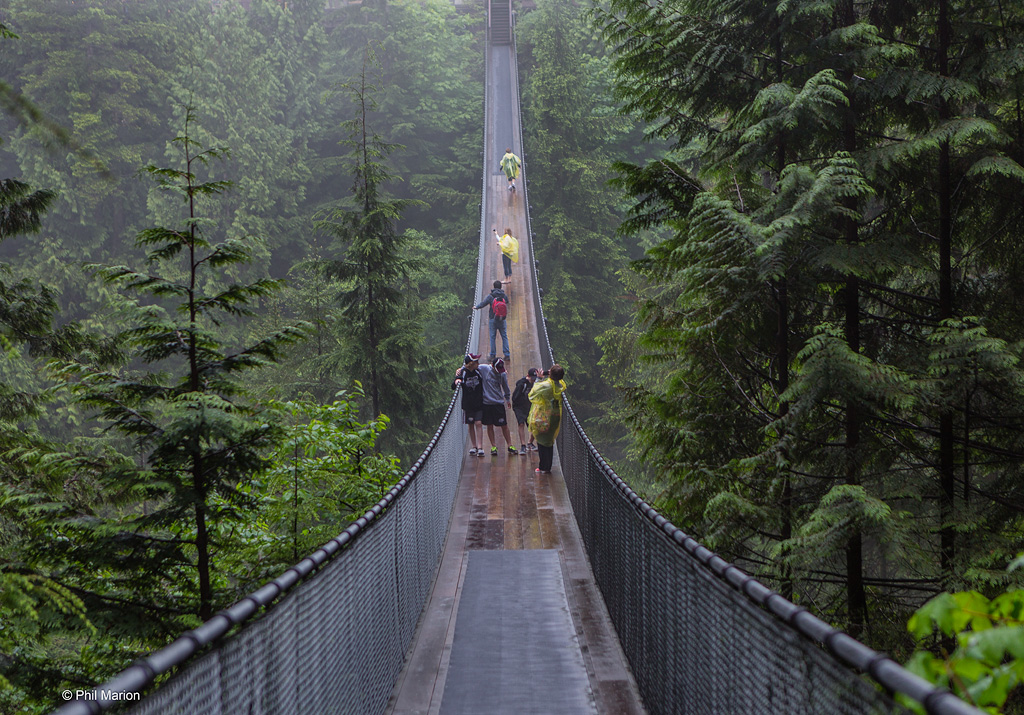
column 782, row 384
column 856, row 594
column 782, row 342
column 203, row 560
column 374, row 354
column 856, row 599
column 947, row 461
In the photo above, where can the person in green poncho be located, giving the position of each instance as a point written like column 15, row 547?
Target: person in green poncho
column 510, row 164
column 546, row 415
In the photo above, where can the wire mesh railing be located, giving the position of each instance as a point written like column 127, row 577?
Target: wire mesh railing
column 701, row 635
column 334, row 643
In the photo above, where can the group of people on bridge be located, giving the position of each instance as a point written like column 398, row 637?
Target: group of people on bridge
column 486, row 397
column 535, row 402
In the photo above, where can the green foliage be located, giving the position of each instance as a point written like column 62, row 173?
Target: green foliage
column 983, row 661
column 573, row 135
column 325, row 471
column 380, row 317
column 199, row 442
column 145, row 479
column 127, row 54
column 805, row 377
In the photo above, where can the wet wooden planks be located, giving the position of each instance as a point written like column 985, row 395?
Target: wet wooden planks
column 512, row 507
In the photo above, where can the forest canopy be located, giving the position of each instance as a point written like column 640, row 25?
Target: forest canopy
column 827, row 354
column 237, row 241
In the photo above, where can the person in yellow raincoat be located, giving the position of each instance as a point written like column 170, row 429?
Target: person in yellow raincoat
column 509, row 252
column 546, row 415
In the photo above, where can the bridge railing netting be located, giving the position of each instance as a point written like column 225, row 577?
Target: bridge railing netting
column 702, row 636
column 336, row 642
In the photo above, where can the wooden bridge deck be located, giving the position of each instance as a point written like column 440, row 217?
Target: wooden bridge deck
column 457, row 659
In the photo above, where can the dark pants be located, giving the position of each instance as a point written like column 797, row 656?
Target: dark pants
column 506, row 263
column 547, row 455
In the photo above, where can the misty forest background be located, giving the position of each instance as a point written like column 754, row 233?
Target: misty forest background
column 238, row 247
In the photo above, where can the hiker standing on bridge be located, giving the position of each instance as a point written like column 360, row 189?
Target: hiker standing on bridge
column 495, row 398
column 546, row 415
column 510, row 164
column 521, row 407
column 469, row 378
column 509, row 246
column 497, row 312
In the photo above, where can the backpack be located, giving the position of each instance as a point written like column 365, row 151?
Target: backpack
column 499, row 307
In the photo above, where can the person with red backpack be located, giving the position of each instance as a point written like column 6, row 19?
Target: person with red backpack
column 498, row 311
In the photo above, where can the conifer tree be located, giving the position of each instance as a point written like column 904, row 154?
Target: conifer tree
column 858, row 172
column 951, row 169
column 573, row 210
column 126, row 53
column 32, row 599
column 199, row 438
column 767, row 111
column 380, row 319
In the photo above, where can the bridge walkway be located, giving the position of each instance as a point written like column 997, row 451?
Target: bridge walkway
column 513, row 632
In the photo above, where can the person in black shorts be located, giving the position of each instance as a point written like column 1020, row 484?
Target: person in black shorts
column 496, row 388
column 469, row 378
column 521, row 408
column 497, row 397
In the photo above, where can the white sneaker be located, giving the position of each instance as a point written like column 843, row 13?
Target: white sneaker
column 472, row 451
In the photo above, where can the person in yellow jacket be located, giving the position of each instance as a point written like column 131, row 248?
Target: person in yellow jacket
column 546, row 414
column 509, row 246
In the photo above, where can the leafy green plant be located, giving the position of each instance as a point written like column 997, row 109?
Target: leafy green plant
column 980, row 644
column 325, row 472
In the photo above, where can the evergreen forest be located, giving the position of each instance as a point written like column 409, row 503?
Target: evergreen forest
column 775, row 240
column 825, row 363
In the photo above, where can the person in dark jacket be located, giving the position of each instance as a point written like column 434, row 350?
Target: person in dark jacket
column 495, row 399
column 471, row 382
column 521, row 408
column 496, row 323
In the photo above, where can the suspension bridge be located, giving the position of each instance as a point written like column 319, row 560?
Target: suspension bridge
column 479, row 587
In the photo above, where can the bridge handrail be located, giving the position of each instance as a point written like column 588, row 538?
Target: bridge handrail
column 893, row 677
column 145, row 671
column 890, row 675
